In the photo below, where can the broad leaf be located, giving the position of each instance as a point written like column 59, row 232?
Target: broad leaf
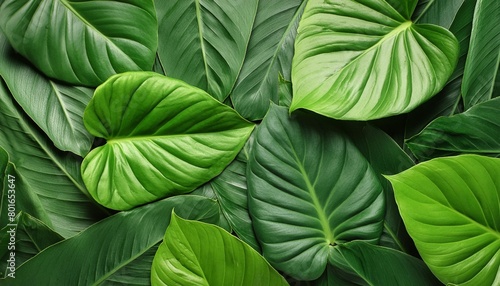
column 203, row 42
column 110, row 245
column 32, row 236
column 184, row 258
column 231, row 190
column 386, row 158
column 397, row 269
column 164, row 137
column 363, row 60
column 53, row 176
column 440, row 12
column 481, row 77
column 310, row 190
column 451, row 208
column 82, row 42
column 56, row 108
column 269, row 53
column 475, row 131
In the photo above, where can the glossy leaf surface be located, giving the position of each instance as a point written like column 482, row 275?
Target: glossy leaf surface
column 56, row 108
column 164, row 137
column 82, row 42
column 110, row 245
column 451, row 208
column 361, row 60
column 204, row 42
column 475, row 131
column 184, row 259
column 310, row 190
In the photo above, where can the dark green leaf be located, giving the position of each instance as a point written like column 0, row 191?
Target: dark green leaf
column 310, row 190
column 82, row 42
column 203, row 42
column 56, row 108
column 440, row 12
column 164, row 137
column 451, row 209
column 184, row 258
column 269, row 54
column 110, row 245
column 481, row 79
column 475, row 131
column 364, row 60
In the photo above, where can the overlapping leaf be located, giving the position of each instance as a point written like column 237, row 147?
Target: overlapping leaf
column 439, row 12
column 82, row 42
column 184, row 258
column 363, row 60
column 475, row 131
column 269, row 53
column 481, row 78
column 110, row 245
column 203, row 42
column 52, row 175
column 451, row 208
column 310, row 190
column 165, row 137
column 56, row 108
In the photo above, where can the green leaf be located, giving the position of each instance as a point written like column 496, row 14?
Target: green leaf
column 440, row 12
column 53, row 176
column 56, row 108
column 378, row 265
column 269, row 53
column 481, row 81
column 31, row 237
column 451, row 208
column 110, row 245
column 475, row 131
column 184, row 258
column 385, row 157
column 203, row 42
column 231, row 191
column 310, row 190
column 82, row 42
column 164, row 137
column 364, row 60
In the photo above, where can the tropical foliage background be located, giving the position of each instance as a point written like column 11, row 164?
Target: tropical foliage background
column 250, row 142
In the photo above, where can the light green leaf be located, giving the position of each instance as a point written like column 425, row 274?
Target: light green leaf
column 111, row 245
column 481, row 78
column 475, row 131
column 451, row 208
column 440, row 12
column 31, row 237
column 56, row 108
column 164, row 137
column 196, row 253
column 231, row 191
column 361, row 60
column 203, row 42
column 377, row 265
column 310, row 190
column 82, row 42
column 53, row 176
column 269, row 54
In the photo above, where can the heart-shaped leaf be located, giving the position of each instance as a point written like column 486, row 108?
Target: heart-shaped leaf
column 310, row 190
column 203, row 42
column 451, row 208
column 112, row 245
column 475, row 131
column 165, row 137
column 184, row 258
column 82, row 42
column 363, row 60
